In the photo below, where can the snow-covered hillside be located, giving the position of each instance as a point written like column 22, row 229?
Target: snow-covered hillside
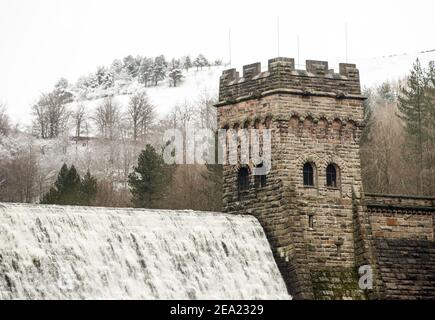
column 195, row 84
column 374, row 71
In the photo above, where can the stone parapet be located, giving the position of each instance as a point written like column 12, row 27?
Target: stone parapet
column 317, row 80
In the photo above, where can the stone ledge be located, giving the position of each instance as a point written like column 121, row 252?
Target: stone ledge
column 299, row 92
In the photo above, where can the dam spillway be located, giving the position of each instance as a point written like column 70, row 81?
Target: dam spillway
column 63, row 252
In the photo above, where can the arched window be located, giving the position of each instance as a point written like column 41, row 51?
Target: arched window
column 331, row 176
column 243, row 179
column 308, row 172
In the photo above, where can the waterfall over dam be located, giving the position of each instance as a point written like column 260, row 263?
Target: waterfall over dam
column 62, row 252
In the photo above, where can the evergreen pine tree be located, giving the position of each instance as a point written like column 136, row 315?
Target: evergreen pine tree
column 146, row 71
column 175, row 76
column 429, row 125
column 69, row 189
column 150, row 179
column 187, row 63
column 88, row 189
column 104, row 77
column 51, row 197
column 132, row 65
column 61, row 181
column 198, row 62
column 159, row 69
column 413, row 109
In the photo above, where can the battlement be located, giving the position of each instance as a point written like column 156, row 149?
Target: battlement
column 282, row 77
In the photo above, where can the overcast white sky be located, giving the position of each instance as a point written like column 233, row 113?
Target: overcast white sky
column 43, row 40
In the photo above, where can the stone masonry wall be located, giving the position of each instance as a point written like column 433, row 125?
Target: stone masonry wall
column 406, row 268
column 320, row 235
column 320, row 124
column 392, row 225
column 401, row 216
column 403, row 245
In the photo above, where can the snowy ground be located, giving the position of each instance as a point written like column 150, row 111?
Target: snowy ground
column 195, row 84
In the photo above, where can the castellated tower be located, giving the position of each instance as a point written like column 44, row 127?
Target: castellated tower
column 310, row 202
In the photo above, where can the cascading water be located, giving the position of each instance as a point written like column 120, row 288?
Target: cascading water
column 60, row 252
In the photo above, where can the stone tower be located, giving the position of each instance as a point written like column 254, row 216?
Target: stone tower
column 310, row 203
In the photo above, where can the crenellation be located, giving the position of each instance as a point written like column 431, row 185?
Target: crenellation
column 317, row 79
column 319, row 68
column 228, row 77
column 251, row 70
column 349, row 70
column 287, row 64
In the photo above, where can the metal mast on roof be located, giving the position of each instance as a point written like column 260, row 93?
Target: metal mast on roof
column 277, row 32
column 346, row 40
column 229, row 45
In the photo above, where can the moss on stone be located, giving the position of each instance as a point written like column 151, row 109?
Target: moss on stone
column 336, row 284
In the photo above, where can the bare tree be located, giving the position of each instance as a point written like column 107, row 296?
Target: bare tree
column 79, row 117
column 207, row 111
column 51, row 115
column 18, row 175
column 140, row 114
column 107, row 118
column 388, row 164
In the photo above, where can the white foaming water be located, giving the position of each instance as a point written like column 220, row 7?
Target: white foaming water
column 55, row 252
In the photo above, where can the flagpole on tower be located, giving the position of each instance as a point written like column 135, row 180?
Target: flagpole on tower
column 229, row 45
column 277, row 32
column 298, row 45
column 346, row 40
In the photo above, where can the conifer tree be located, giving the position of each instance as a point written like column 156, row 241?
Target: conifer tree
column 429, row 127
column 187, row 63
column 146, row 71
column 159, row 69
column 150, row 179
column 413, row 109
column 200, row 62
column 69, row 189
column 88, row 189
column 175, row 76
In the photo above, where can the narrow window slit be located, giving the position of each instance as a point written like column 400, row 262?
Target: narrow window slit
column 311, row 221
